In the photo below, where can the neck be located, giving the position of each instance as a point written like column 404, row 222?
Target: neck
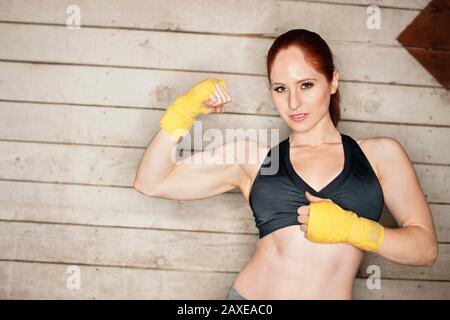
column 324, row 132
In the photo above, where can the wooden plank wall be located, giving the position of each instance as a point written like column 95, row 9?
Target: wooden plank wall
column 79, row 107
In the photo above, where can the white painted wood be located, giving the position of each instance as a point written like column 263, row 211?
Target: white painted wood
column 439, row 271
column 24, row 280
column 78, row 108
column 125, row 207
column 163, row 249
column 152, row 49
column 157, row 89
column 173, row 250
column 403, row 4
column 257, row 17
column 110, row 166
column 135, row 127
column 398, row 289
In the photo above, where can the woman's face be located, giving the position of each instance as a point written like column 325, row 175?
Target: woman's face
column 296, row 87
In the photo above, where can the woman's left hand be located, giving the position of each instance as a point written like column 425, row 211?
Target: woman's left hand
column 303, row 212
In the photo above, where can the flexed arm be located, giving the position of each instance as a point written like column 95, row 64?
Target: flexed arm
column 191, row 178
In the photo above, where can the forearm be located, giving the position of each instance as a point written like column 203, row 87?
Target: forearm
column 156, row 163
column 409, row 245
column 158, row 160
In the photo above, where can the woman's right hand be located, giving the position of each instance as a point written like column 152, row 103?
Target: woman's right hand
column 217, row 100
column 180, row 115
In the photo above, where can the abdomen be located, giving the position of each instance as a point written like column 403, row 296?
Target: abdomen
column 286, row 265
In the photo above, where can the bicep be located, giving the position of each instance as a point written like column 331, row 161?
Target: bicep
column 401, row 189
column 203, row 174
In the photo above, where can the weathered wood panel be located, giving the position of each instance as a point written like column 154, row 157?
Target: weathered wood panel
column 439, row 271
column 135, row 127
column 397, row 289
column 163, row 249
column 124, row 207
column 178, row 250
column 262, row 17
column 74, row 122
column 111, row 166
column 403, row 4
column 85, row 205
column 154, row 49
column 24, row 280
column 156, row 89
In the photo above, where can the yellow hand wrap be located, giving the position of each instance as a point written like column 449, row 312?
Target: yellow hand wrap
column 180, row 115
column 329, row 223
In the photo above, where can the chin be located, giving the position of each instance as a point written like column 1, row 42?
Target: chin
column 299, row 127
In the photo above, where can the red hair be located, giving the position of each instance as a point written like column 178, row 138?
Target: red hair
column 317, row 53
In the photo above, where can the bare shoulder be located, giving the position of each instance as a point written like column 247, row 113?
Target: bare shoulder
column 378, row 150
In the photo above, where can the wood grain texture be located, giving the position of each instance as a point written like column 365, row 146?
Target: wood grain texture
column 111, row 166
column 163, row 249
column 156, row 89
column 154, row 49
column 258, row 17
column 76, row 118
column 124, row 127
column 48, row 281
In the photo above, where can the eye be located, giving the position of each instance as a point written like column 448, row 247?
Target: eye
column 310, row 84
column 276, row 89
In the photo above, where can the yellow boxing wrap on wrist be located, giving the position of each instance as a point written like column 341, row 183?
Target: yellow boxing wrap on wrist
column 180, row 115
column 329, row 223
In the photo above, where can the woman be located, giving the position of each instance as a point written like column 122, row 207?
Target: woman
column 326, row 182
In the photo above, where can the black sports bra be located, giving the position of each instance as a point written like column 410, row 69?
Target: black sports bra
column 278, row 191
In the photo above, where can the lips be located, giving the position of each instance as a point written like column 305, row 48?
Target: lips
column 298, row 116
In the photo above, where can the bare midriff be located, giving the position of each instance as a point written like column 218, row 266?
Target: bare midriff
column 286, row 265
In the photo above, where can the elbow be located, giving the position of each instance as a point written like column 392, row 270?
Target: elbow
column 138, row 187
column 141, row 189
column 431, row 255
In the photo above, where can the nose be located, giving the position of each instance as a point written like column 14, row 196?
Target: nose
column 294, row 99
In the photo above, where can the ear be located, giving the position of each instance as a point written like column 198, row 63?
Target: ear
column 335, row 82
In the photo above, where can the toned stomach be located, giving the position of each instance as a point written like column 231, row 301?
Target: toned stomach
column 286, row 265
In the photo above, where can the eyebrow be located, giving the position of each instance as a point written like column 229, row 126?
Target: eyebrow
column 273, row 83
